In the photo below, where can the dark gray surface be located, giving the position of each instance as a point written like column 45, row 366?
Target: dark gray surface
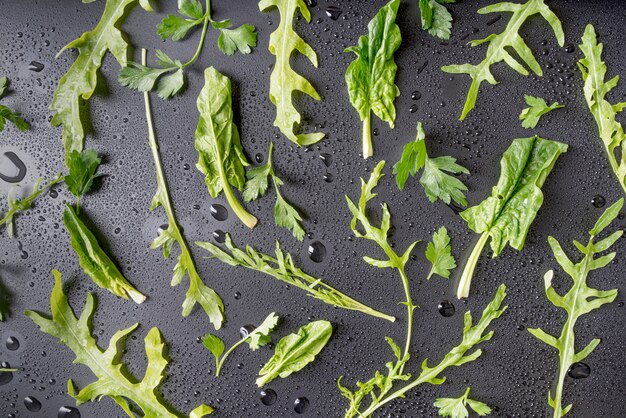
column 515, row 371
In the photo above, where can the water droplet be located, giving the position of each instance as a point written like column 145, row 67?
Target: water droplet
column 333, row 12
column 5, row 377
column 68, row 412
column 163, row 228
column 569, row 48
column 375, row 131
column 328, row 178
column 300, row 405
column 246, row 330
column 579, row 370
column 598, row 201
column 35, row 66
column 258, row 158
column 186, row 166
column 219, row 236
column 219, row 212
column 54, row 194
column 13, row 170
column 237, row 295
column 268, row 396
column 13, row 343
column 317, row 252
column 446, row 308
column 416, row 95
column 327, row 159
column 413, row 108
column 32, row 404
column 494, row 20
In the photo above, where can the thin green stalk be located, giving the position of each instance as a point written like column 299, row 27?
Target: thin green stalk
column 368, row 148
column 470, row 266
column 246, row 217
column 207, row 19
column 219, row 363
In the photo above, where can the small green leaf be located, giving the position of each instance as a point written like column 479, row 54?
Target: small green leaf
column 191, row 8
column 261, row 334
column 201, row 411
column 82, row 166
column 287, row 216
column 214, row 344
column 4, row 86
column 233, row 40
column 171, row 84
column 538, row 107
column 139, row 77
column 438, row 252
column 441, row 21
column 176, row 27
column 14, row 117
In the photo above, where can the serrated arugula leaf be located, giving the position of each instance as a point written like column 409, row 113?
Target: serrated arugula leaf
column 79, row 83
column 233, row 40
column 198, row 292
column 16, row 206
column 284, row 269
column 435, row 18
column 82, row 172
column 506, row 215
column 295, row 351
column 284, row 81
column 439, row 253
column 538, row 107
column 220, row 155
column 94, row 261
column 371, row 76
column 498, row 44
column 611, row 132
column 457, row 407
column 435, row 181
column 579, row 300
column 113, row 378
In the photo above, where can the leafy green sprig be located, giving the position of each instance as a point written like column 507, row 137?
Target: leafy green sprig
column 6, row 113
column 538, row 107
column 457, row 407
column 439, row 253
column 82, row 173
column 436, row 18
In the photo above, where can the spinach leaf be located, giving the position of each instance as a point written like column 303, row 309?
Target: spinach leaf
column 295, row 351
column 507, row 214
column 498, row 44
column 371, row 76
column 439, row 253
column 579, row 300
column 457, row 407
column 284, row 81
column 538, row 107
column 6, row 113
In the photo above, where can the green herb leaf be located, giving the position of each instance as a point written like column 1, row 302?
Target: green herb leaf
column 6, row 297
column 284, row 269
column 538, row 107
column 220, row 155
column 438, row 252
column 7, row 113
column 233, row 40
column 457, row 407
column 507, row 214
column 498, row 44
column 176, row 27
column 579, row 300
column 257, row 181
column 214, row 344
column 82, row 166
column 284, row 81
column 113, row 378
column 436, row 19
column 295, row 351
column 611, row 132
column 94, row 261
column 4, row 86
column 371, row 76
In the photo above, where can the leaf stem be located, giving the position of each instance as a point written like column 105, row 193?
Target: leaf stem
column 470, row 266
column 220, row 363
column 246, row 217
column 368, row 148
column 207, row 19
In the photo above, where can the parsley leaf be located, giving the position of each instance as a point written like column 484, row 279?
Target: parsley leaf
column 457, row 407
column 232, row 40
column 538, row 107
column 438, row 252
column 82, row 166
column 436, row 19
column 7, row 114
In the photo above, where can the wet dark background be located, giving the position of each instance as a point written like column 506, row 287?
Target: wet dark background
column 516, row 370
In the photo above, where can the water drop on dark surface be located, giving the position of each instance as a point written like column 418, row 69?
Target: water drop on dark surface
column 317, row 252
column 5, row 377
column 413, row 108
column 579, row 370
column 300, row 405
column 333, row 12
column 327, row 159
column 311, row 3
column 246, row 330
column 32, row 403
column 569, row 48
column 68, row 412
column 54, row 194
column 13, row 343
column 598, row 201
column 328, row 178
column 268, row 396
column 375, row 131
column 35, row 66
column 13, row 171
column 446, row 308
column 237, row 296
column 219, row 212
column 258, row 158
column 219, row 236
column 494, row 20
column 416, row 95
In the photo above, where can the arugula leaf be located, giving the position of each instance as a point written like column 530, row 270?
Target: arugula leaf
column 284, row 81
column 294, row 351
column 435, row 18
column 507, row 214
column 538, row 107
column 94, row 261
column 233, row 40
column 220, row 155
column 7, row 113
column 579, row 300
column 17, row 206
column 371, row 76
column 79, row 83
column 611, row 132
column 438, row 252
column 473, row 335
column 437, row 184
column 82, row 166
column 284, row 269
column 113, row 378
column 498, row 44
column 198, row 292
column 285, row 214
column 457, row 407
column 255, row 339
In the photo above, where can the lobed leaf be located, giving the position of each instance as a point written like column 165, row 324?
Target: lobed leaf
column 438, row 252
column 538, row 107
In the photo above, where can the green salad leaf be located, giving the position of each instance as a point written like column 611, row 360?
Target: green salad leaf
column 256, row 338
column 94, row 261
column 113, row 378
column 79, row 83
column 435, row 180
column 439, row 253
column 457, row 407
column 5, row 301
column 611, row 132
column 198, row 292
column 498, row 44
column 284, row 81
column 506, row 215
column 239, row 39
column 538, row 107
column 436, row 19
column 6, row 113
column 371, row 76
column 283, row 268
column 220, row 155
column 285, row 214
column 82, row 172
column 579, row 300
column 295, row 351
